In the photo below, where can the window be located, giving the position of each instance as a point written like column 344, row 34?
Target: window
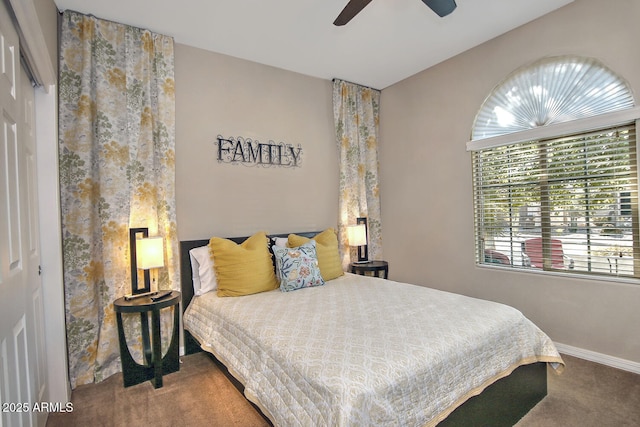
column 555, row 171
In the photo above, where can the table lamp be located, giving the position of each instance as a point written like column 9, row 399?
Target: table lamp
column 147, row 254
column 357, row 236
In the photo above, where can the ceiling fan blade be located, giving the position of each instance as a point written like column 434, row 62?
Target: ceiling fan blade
column 441, row 7
column 350, row 10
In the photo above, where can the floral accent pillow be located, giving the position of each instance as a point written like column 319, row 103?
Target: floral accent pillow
column 298, row 267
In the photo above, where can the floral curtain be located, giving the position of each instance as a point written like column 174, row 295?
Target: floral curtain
column 117, row 170
column 356, row 115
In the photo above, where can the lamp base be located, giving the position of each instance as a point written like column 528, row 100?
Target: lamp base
column 361, row 262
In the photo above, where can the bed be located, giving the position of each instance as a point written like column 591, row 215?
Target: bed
column 368, row 351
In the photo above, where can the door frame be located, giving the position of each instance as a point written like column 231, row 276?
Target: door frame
column 34, row 48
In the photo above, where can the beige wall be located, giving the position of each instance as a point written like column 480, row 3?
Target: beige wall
column 221, row 95
column 48, row 18
column 426, row 186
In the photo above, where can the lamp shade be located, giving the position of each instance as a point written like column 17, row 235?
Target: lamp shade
column 357, row 235
column 150, row 253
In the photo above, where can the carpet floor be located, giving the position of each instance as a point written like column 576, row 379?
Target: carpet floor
column 586, row 395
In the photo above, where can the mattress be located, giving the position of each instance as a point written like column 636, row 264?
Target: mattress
column 364, row 351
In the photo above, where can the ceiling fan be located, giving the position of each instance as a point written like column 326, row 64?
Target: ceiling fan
column 440, row 7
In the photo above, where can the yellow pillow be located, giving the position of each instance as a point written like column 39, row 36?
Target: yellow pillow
column 327, row 249
column 243, row 269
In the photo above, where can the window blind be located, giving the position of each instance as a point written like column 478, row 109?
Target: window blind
column 566, row 204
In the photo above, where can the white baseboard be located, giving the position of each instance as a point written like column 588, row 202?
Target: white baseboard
column 603, row 359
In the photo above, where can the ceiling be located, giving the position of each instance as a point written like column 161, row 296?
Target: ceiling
column 388, row 41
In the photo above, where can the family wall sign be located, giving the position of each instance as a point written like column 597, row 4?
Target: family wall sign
column 254, row 153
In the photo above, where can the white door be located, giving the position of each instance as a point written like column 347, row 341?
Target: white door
column 22, row 367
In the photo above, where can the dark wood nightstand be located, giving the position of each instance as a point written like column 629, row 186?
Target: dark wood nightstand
column 154, row 365
column 375, row 267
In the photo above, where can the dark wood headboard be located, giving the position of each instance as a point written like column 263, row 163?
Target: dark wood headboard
column 186, row 283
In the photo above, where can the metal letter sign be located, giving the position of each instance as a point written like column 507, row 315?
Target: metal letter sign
column 252, row 153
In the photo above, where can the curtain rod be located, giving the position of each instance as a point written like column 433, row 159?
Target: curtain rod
column 357, row 84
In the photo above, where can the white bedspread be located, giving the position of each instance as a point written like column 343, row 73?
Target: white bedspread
column 364, row 351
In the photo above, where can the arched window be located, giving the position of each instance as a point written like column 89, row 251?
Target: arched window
column 555, row 171
column 552, row 90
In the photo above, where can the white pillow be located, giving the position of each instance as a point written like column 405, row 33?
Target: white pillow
column 204, row 277
column 280, row 242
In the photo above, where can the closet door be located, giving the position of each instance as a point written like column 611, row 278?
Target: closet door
column 22, row 362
